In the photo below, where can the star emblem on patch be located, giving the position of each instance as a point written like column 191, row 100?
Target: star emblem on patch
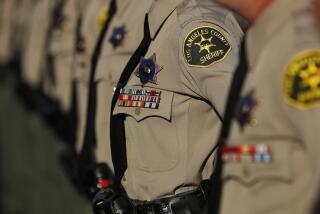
column 301, row 82
column 117, row 36
column 205, row 46
column 148, row 69
column 244, row 113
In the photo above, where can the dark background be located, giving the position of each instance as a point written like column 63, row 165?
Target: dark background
column 31, row 178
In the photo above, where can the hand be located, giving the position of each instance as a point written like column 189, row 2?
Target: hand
column 102, row 201
column 94, row 178
column 107, row 201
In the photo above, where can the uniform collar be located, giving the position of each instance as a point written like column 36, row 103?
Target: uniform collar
column 267, row 25
column 159, row 11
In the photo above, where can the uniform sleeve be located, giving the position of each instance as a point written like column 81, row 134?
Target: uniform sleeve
column 208, row 58
column 301, row 98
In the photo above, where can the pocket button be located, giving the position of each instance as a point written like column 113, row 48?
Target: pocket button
column 246, row 172
column 137, row 111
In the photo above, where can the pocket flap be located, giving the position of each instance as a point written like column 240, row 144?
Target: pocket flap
column 82, row 68
column 277, row 167
column 141, row 103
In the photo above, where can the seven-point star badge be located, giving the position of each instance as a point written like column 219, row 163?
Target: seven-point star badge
column 205, row 44
column 58, row 16
column 245, row 112
column 148, row 69
column 117, row 36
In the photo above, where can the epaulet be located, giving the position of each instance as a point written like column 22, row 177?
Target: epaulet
column 185, row 8
column 304, row 26
column 193, row 10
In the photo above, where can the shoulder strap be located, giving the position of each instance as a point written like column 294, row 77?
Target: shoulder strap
column 233, row 97
column 117, row 131
column 86, row 156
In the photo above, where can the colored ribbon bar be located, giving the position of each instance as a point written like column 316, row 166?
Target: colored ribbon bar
column 139, row 98
column 255, row 153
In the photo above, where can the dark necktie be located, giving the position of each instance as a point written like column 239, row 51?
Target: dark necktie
column 117, row 130
column 233, row 97
column 86, row 157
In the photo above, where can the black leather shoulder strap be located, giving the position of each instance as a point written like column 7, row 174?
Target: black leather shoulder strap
column 117, row 129
column 86, row 156
column 233, row 97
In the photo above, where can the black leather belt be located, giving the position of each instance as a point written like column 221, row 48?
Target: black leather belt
column 193, row 202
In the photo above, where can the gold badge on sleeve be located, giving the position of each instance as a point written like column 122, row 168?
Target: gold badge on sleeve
column 102, row 18
column 301, row 82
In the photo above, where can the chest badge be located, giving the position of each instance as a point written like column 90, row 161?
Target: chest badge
column 245, row 110
column 205, row 46
column 301, row 82
column 117, row 36
column 148, row 69
column 58, row 16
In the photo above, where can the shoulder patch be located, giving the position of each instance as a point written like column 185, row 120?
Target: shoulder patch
column 205, row 46
column 301, row 82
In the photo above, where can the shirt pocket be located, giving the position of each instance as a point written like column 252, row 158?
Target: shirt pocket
column 151, row 134
column 278, row 169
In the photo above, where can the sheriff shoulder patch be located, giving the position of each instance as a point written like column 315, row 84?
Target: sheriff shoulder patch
column 301, row 82
column 205, row 46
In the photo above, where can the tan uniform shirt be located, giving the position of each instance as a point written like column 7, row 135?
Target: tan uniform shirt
column 62, row 50
column 24, row 23
column 21, row 21
column 123, row 38
column 34, row 55
column 6, row 27
column 175, row 96
column 272, row 156
column 93, row 19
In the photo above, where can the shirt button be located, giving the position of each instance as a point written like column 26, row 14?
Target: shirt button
column 83, row 64
column 246, row 172
column 137, row 111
